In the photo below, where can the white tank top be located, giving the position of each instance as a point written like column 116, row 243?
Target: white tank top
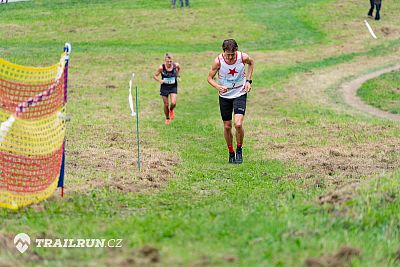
column 232, row 76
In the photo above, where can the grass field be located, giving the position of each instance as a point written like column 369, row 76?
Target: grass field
column 320, row 181
column 383, row 92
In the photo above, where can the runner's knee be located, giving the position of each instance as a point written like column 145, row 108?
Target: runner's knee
column 228, row 126
column 238, row 125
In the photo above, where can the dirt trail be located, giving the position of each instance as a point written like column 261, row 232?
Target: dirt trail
column 334, row 154
column 349, row 91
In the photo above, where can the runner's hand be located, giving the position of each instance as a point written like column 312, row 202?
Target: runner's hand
column 247, row 87
column 161, row 81
column 222, row 89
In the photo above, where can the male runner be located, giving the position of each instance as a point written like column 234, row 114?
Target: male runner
column 233, row 86
column 169, row 72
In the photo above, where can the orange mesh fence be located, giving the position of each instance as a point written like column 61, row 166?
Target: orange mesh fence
column 32, row 131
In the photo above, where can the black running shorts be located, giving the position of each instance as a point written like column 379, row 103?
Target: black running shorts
column 237, row 105
column 166, row 90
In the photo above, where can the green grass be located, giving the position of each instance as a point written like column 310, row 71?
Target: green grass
column 209, row 210
column 382, row 92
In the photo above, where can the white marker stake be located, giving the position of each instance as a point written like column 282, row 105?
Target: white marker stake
column 370, row 30
column 133, row 113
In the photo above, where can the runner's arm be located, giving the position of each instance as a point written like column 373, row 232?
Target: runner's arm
column 178, row 70
column 249, row 61
column 158, row 73
column 214, row 69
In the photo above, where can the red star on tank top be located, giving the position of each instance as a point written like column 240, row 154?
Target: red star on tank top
column 232, row 71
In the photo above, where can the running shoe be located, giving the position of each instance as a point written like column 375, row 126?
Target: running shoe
column 232, row 158
column 239, row 158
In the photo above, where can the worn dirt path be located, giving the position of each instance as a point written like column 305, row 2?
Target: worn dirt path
column 349, row 90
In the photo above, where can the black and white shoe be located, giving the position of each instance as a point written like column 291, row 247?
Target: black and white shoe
column 232, row 158
column 239, row 156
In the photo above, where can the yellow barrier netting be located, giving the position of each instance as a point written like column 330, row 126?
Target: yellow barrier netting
column 32, row 117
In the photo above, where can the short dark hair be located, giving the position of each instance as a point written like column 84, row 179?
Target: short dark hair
column 229, row 45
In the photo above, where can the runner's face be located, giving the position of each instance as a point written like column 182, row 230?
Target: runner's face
column 230, row 56
column 168, row 62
